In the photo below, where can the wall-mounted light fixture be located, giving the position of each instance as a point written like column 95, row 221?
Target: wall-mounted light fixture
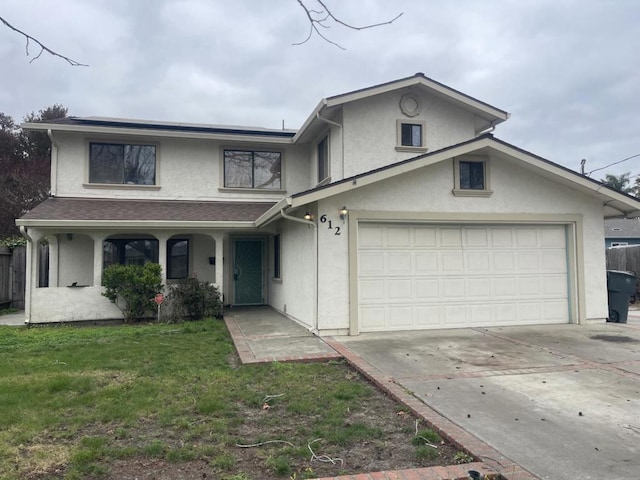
column 212, row 260
column 69, row 236
column 308, row 216
column 343, row 213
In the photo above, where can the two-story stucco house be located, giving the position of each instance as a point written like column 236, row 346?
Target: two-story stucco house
column 392, row 208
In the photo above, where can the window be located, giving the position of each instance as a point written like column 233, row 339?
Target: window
column 252, row 169
column 323, row 159
column 276, row 256
column 177, row 258
column 411, row 136
column 471, row 176
column 127, row 251
column 122, row 164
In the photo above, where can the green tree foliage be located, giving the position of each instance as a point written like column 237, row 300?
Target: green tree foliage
column 132, row 288
column 25, row 162
column 619, row 182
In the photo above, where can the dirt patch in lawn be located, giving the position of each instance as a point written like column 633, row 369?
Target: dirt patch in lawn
column 381, row 435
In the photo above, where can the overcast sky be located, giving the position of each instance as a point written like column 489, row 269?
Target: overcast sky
column 567, row 71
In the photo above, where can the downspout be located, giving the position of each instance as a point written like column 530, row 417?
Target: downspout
column 489, row 129
column 28, row 275
column 316, row 265
column 336, row 124
column 54, row 163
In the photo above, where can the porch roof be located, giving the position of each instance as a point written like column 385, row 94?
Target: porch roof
column 95, row 210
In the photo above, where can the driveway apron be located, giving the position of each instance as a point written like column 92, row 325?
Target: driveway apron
column 563, row 401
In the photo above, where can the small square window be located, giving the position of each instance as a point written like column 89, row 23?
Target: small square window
column 411, row 136
column 471, row 177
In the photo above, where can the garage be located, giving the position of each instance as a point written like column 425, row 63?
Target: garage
column 421, row 276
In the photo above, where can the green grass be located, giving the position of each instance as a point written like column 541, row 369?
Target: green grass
column 77, row 399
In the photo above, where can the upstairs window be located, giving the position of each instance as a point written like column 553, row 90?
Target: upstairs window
column 411, row 136
column 323, row 159
column 252, row 169
column 122, row 164
column 471, row 176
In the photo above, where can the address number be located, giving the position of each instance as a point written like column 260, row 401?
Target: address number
column 323, row 219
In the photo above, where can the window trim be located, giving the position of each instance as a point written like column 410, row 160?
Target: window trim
column 257, row 148
column 327, row 177
column 170, row 242
column 469, row 192
column 120, row 141
column 423, row 136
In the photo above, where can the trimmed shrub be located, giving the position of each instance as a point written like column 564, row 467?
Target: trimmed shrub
column 194, row 299
column 132, row 288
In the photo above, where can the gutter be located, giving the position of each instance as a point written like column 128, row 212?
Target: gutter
column 27, row 291
column 54, row 163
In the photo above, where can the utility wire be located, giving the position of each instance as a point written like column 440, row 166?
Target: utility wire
column 614, row 163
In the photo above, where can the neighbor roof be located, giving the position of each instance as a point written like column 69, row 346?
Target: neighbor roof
column 622, row 228
column 60, row 211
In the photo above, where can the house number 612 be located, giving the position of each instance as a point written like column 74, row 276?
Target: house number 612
column 323, row 219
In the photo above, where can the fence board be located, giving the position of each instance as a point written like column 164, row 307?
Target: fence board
column 626, row 258
column 5, row 276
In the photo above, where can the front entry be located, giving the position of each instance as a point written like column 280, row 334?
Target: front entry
column 247, row 272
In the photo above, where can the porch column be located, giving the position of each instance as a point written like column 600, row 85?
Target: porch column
column 219, row 279
column 54, row 249
column 31, row 274
column 162, row 255
column 98, row 257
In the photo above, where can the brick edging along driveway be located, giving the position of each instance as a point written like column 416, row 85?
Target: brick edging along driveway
column 492, row 458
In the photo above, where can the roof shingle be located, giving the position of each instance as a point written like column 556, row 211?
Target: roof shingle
column 91, row 209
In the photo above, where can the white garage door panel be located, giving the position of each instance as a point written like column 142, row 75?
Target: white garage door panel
column 425, row 276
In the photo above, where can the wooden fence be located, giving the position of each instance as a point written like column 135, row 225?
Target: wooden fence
column 626, row 259
column 12, row 277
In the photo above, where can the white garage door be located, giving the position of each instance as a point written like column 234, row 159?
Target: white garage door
column 430, row 276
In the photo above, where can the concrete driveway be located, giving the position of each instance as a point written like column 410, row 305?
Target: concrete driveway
column 563, row 401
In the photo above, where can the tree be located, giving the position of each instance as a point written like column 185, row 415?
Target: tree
column 618, row 182
column 25, row 165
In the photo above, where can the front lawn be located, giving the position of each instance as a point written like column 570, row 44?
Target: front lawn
column 171, row 401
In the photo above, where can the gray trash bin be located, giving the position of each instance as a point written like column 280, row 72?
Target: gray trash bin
column 620, row 287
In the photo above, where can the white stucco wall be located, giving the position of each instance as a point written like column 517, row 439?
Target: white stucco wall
column 64, row 304
column 370, row 129
column 516, row 191
column 185, row 169
column 75, row 260
column 293, row 293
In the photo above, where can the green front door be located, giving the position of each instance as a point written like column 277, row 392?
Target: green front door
column 247, row 272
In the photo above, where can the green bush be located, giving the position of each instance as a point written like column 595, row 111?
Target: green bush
column 194, row 299
column 132, row 288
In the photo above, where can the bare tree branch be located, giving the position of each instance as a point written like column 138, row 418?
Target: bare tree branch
column 43, row 48
column 319, row 18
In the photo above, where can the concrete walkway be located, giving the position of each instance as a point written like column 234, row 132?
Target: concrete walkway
column 263, row 335
column 13, row 319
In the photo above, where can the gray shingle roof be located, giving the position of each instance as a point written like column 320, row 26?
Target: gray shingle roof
column 622, row 228
column 144, row 210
